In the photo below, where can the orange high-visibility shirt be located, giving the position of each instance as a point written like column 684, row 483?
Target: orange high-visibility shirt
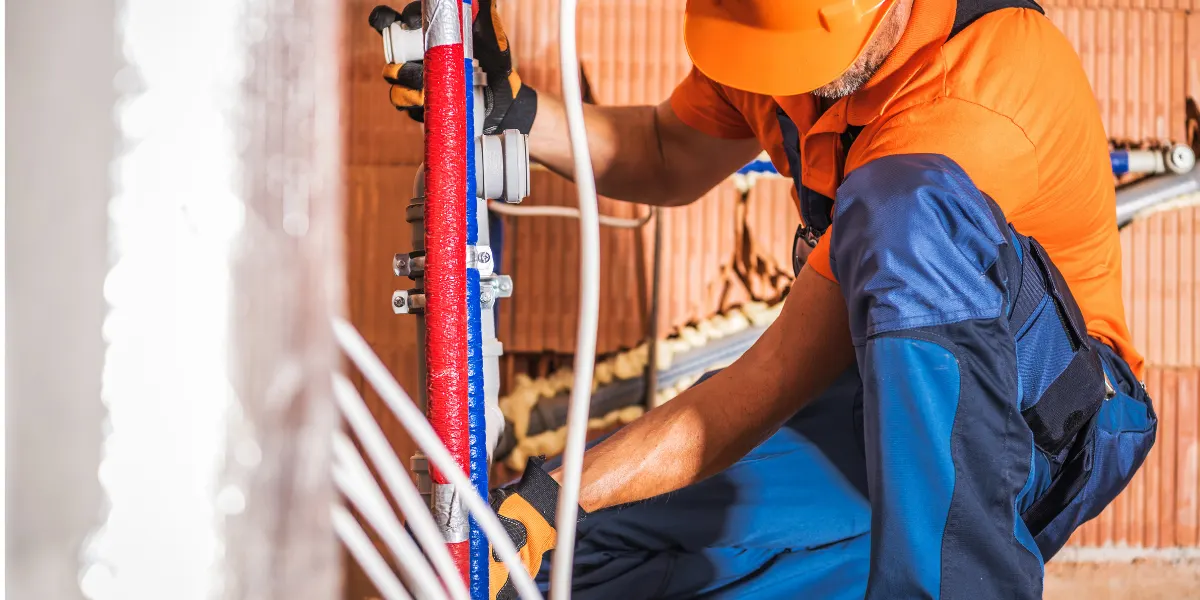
column 1006, row 98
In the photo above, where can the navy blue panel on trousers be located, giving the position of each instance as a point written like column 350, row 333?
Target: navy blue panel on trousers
column 791, row 517
column 916, row 254
column 924, row 262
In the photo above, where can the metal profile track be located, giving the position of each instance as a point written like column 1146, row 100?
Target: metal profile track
column 551, row 413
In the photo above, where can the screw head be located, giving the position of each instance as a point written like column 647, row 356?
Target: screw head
column 485, row 257
column 398, row 301
column 400, row 264
column 1181, row 159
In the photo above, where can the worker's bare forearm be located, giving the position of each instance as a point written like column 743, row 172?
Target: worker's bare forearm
column 639, row 153
column 697, row 434
column 624, row 157
column 712, row 425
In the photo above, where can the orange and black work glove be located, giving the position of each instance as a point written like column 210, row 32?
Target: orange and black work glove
column 508, row 104
column 527, row 511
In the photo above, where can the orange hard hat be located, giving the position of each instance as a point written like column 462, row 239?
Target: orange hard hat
column 779, row 47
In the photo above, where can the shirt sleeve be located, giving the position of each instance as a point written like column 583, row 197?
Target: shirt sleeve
column 818, row 259
column 703, row 105
column 994, row 152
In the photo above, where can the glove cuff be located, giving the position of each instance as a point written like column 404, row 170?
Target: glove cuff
column 520, row 113
column 540, row 490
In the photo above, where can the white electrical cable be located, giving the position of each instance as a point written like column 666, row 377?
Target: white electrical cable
column 355, row 481
column 568, row 212
column 368, row 557
column 360, row 353
column 397, row 480
column 589, row 306
column 420, row 578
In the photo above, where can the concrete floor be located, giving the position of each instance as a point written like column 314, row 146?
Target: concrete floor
column 1144, row 579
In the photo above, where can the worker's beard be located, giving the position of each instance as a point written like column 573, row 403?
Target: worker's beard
column 851, row 81
column 877, row 51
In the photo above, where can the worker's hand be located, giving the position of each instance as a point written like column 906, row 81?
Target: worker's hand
column 407, row 79
column 527, row 512
column 508, row 104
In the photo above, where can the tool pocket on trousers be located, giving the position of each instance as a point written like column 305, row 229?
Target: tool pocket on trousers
column 1090, row 418
column 1104, row 459
column 1061, row 379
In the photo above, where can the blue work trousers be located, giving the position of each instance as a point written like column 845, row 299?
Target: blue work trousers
column 790, row 517
column 980, row 427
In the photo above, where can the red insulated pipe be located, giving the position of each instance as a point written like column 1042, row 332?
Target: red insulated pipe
column 445, row 262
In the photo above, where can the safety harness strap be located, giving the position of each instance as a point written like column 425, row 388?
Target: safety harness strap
column 968, row 11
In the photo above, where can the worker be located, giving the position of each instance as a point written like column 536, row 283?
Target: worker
column 952, row 176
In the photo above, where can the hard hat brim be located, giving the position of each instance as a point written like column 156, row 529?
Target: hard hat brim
column 775, row 62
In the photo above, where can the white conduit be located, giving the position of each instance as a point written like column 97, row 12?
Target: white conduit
column 398, row 482
column 354, row 480
column 589, row 306
column 363, row 551
column 360, row 353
